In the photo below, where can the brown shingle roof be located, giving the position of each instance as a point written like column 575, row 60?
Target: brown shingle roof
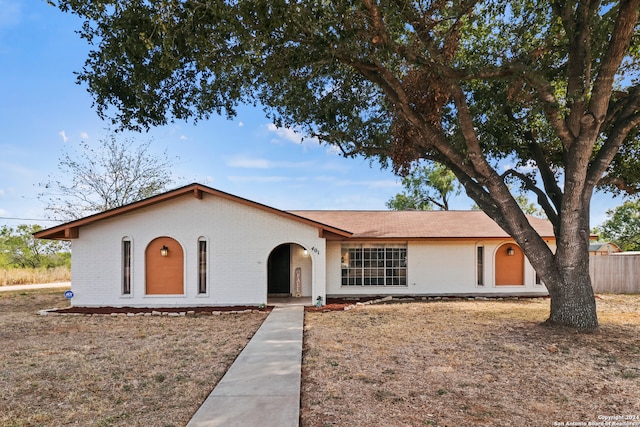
column 418, row 224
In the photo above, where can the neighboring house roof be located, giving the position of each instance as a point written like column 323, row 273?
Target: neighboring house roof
column 71, row 230
column 419, row 224
column 607, row 247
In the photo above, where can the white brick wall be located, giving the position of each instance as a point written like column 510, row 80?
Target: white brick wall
column 240, row 239
column 446, row 268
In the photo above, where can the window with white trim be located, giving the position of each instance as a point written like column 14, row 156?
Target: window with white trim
column 480, row 265
column 126, row 266
column 374, row 265
column 202, row 265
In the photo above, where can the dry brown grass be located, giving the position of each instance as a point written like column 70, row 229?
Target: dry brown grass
column 26, row 276
column 110, row 371
column 469, row 363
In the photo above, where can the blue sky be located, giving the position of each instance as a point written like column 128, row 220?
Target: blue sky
column 43, row 110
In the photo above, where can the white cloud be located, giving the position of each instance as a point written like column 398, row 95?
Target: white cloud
column 249, row 163
column 83, row 135
column 2, row 192
column 383, row 183
column 530, row 166
column 63, row 134
column 292, row 135
column 258, row 178
column 352, row 201
column 16, row 169
column 380, row 183
column 4, row 212
column 267, row 179
column 334, row 149
column 324, row 178
column 340, row 166
column 258, row 163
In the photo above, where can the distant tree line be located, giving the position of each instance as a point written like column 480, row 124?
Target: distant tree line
column 18, row 249
column 431, row 186
column 622, row 226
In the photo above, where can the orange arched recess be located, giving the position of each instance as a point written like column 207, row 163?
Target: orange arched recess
column 164, row 274
column 509, row 268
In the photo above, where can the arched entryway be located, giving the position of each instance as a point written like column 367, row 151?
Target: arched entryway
column 509, row 265
column 164, row 267
column 289, row 271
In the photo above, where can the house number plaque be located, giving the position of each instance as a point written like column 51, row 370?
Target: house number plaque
column 298, row 282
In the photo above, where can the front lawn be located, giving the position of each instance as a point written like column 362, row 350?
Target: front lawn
column 469, row 363
column 110, row 370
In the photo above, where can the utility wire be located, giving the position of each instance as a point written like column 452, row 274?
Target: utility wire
column 31, row 219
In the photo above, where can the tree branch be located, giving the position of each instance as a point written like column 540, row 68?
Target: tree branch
column 553, row 191
column 550, row 106
column 577, row 26
column 542, row 86
column 543, row 200
column 474, row 151
column 502, row 206
column 618, row 47
column 609, row 149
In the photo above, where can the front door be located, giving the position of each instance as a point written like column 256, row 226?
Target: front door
column 279, row 271
column 509, row 266
column 164, row 270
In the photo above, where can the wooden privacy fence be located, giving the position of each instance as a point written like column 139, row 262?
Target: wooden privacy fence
column 615, row 273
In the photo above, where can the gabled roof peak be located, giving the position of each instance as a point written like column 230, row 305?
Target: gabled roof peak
column 70, row 230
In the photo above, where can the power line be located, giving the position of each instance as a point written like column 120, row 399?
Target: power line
column 30, row 219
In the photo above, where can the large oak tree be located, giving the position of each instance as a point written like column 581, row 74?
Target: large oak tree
column 548, row 87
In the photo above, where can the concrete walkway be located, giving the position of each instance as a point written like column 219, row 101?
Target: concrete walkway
column 262, row 387
column 35, row 286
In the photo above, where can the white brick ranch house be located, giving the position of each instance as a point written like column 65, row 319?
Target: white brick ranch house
column 197, row 246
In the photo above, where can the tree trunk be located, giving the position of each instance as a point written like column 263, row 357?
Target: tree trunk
column 566, row 276
column 573, row 304
column 572, row 300
column 565, row 272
